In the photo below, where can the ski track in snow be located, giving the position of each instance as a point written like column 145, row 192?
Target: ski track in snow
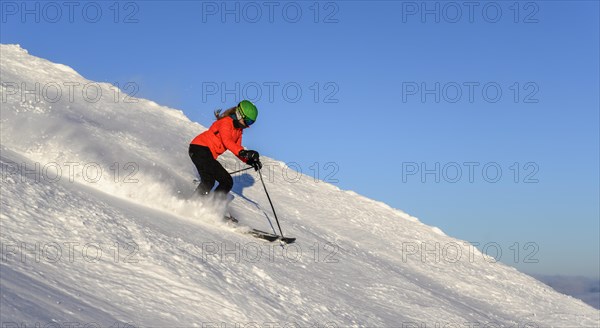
column 179, row 265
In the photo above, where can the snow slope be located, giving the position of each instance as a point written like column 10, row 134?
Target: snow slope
column 84, row 244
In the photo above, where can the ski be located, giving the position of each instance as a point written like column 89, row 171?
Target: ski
column 261, row 234
column 229, row 218
column 270, row 236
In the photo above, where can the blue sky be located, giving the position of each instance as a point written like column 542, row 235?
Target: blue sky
column 385, row 91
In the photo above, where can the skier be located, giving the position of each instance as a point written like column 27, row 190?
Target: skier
column 224, row 134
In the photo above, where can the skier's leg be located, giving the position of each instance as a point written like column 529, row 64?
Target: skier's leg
column 224, row 178
column 204, row 162
column 207, row 182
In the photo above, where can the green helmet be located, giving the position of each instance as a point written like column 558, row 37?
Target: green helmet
column 248, row 110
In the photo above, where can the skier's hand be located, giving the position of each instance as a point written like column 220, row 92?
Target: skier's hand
column 252, row 158
column 249, row 155
column 257, row 165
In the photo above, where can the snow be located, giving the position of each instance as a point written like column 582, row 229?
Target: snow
column 84, row 242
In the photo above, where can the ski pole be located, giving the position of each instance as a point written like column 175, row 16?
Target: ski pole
column 238, row 171
column 270, row 202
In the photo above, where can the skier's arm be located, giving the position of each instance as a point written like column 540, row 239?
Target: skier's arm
column 234, row 146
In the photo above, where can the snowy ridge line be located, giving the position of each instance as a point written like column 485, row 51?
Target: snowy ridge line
column 357, row 267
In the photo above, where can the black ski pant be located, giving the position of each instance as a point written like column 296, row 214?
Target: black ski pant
column 210, row 170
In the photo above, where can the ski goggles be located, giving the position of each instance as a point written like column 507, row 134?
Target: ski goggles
column 247, row 121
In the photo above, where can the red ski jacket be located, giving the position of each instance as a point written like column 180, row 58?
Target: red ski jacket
column 221, row 135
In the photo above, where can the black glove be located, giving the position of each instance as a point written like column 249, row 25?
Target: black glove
column 252, row 158
column 257, row 165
